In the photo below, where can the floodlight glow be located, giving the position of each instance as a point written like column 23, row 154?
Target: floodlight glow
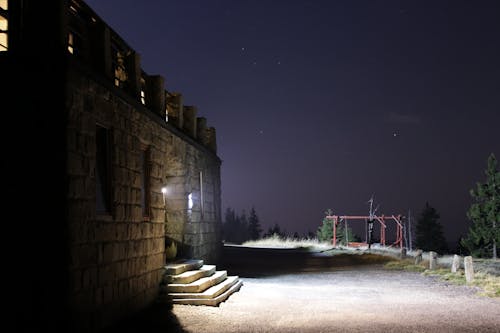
column 164, row 190
column 190, row 201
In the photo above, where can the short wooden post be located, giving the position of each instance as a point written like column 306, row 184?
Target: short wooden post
column 469, row 270
column 418, row 257
column 432, row 260
column 456, row 263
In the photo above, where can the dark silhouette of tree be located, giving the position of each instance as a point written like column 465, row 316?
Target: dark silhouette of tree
column 310, row 234
column 254, row 228
column 235, row 228
column 483, row 238
column 429, row 232
column 275, row 230
column 242, row 235
column 229, row 226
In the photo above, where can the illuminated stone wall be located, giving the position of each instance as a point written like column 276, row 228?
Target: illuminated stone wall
column 117, row 259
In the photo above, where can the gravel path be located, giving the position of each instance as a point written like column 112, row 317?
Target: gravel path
column 346, row 299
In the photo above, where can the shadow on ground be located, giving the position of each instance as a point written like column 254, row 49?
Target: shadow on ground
column 259, row 262
column 156, row 318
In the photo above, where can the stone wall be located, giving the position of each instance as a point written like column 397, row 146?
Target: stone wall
column 116, row 259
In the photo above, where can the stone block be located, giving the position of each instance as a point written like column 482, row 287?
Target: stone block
column 89, row 278
column 455, row 264
column 108, row 252
column 469, row 269
column 105, row 275
column 86, row 255
column 174, row 227
column 418, row 257
column 107, row 294
column 432, row 260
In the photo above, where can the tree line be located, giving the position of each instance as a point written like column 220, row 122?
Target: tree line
column 482, row 240
column 241, row 228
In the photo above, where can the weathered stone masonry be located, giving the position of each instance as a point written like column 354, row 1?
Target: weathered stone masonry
column 115, row 258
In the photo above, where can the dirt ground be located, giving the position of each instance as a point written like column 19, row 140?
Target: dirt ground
column 292, row 291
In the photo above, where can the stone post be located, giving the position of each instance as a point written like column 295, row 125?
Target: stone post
column 134, row 72
column 456, row 263
column 189, row 113
column 155, row 94
column 403, row 253
column 201, row 126
column 469, row 270
column 175, row 106
column 101, row 49
column 210, row 136
column 432, row 260
column 418, row 257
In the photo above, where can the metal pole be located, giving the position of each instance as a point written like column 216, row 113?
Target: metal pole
column 201, row 194
column 334, row 231
column 346, row 239
column 409, row 229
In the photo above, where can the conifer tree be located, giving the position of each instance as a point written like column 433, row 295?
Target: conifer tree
column 229, row 226
column 275, row 231
column 254, row 228
column 242, row 235
column 429, row 232
column 325, row 231
column 483, row 238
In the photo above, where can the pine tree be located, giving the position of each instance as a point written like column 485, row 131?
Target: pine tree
column 229, row 226
column 429, row 232
column 483, row 238
column 254, row 228
column 325, row 231
column 275, row 231
column 235, row 228
column 242, row 235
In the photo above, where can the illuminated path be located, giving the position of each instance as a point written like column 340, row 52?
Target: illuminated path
column 345, row 299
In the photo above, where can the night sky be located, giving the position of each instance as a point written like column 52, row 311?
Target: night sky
column 322, row 104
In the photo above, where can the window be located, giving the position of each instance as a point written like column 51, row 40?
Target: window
column 4, row 26
column 166, row 114
column 71, row 42
column 145, row 183
column 143, row 91
column 75, row 42
column 103, row 170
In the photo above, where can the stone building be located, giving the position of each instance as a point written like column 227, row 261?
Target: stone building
column 125, row 176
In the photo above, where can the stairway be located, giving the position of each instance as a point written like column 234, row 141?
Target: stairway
column 191, row 282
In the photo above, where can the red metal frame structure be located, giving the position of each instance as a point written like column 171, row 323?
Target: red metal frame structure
column 381, row 219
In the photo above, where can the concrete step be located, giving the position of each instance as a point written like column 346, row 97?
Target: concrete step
column 190, row 276
column 199, row 285
column 211, row 292
column 210, row 301
column 182, row 266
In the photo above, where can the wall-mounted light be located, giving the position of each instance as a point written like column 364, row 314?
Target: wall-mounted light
column 164, row 191
column 190, row 201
